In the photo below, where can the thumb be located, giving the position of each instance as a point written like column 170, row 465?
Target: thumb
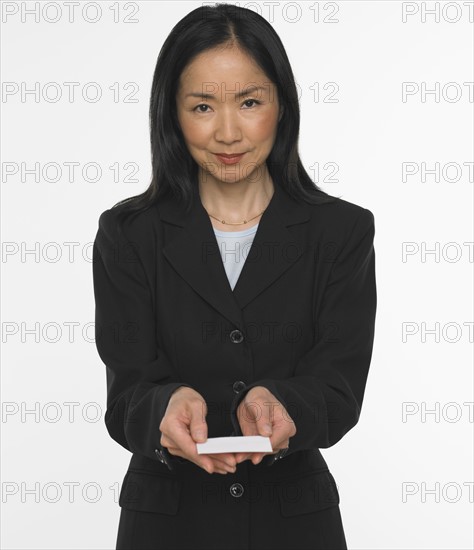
column 198, row 429
column 264, row 427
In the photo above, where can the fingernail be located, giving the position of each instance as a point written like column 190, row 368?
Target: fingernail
column 267, row 428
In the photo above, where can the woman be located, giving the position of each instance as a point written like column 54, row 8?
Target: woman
column 201, row 339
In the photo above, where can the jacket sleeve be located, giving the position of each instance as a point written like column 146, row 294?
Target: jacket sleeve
column 324, row 397
column 139, row 375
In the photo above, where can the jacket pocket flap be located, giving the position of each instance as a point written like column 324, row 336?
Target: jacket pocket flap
column 145, row 492
column 310, row 493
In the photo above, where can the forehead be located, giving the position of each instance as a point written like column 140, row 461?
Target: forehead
column 229, row 65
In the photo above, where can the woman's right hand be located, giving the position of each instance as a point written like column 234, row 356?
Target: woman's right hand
column 184, row 425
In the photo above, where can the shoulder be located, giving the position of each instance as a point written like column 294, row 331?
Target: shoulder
column 344, row 233
column 341, row 219
column 116, row 224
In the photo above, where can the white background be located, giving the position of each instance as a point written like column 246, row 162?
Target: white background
column 405, row 482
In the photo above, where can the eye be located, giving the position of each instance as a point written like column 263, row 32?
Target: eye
column 199, row 110
column 200, row 105
column 252, row 100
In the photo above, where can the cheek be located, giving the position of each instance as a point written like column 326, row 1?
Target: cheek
column 265, row 128
column 193, row 133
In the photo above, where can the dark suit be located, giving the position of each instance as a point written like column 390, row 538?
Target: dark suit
column 300, row 322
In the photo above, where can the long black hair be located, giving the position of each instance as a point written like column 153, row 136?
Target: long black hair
column 174, row 171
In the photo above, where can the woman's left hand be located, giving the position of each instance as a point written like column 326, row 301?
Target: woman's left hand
column 259, row 409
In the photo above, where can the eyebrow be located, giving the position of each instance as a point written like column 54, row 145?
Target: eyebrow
column 239, row 94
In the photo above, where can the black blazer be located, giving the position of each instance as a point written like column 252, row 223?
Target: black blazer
column 300, row 322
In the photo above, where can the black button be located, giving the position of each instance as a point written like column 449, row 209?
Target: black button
column 236, row 490
column 238, row 386
column 236, row 336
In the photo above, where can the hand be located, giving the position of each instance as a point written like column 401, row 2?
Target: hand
column 258, row 409
column 183, row 420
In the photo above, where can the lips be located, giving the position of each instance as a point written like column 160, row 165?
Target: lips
column 229, row 159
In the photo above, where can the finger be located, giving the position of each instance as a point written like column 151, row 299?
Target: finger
column 185, row 446
column 248, row 415
column 229, row 464
column 264, row 425
column 214, row 463
column 198, row 428
column 219, row 470
column 219, row 467
column 257, row 457
column 181, row 440
column 224, row 466
column 225, row 460
column 241, row 457
column 208, row 464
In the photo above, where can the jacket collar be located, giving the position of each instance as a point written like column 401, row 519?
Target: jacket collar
column 194, row 253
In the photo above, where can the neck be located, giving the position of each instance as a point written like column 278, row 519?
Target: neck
column 235, row 202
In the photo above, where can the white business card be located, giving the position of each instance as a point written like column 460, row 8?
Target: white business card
column 235, row 444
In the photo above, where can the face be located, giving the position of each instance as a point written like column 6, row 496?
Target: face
column 227, row 105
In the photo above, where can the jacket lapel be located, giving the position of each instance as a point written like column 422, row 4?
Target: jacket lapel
column 191, row 248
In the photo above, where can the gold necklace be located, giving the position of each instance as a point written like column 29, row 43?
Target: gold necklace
column 236, row 223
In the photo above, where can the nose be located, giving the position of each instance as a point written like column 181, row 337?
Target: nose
column 227, row 128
